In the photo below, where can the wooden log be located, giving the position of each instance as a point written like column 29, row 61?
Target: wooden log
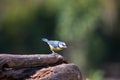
column 58, row 72
column 37, row 67
column 17, row 61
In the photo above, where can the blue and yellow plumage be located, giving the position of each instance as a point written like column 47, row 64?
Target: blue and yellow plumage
column 55, row 45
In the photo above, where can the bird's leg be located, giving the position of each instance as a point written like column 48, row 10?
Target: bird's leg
column 53, row 52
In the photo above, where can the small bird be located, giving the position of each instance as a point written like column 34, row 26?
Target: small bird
column 55, row 45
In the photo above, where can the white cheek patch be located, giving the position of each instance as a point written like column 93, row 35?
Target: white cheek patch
column 61, row 46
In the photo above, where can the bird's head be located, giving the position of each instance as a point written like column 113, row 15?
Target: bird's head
column 62, row 45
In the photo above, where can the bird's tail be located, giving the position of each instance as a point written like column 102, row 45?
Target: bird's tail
column 45, row 39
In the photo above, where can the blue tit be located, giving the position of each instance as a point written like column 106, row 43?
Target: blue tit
column 55, row 45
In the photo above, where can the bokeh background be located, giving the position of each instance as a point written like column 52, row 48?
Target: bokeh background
column 90, row 28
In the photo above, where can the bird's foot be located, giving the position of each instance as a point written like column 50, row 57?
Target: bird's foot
column 54, row 52
column 57, row 55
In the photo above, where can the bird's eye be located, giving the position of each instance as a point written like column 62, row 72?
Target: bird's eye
column 63, row 44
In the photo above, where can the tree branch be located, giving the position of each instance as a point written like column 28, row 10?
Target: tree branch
column 14, row 61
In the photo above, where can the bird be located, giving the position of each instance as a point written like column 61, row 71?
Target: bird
column 55, row 45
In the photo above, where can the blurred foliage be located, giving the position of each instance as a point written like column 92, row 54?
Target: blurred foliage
column 23, row 24
column 95, row 75
column 76, row 24
column 89, row 27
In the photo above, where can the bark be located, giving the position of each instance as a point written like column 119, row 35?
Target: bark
column 37, row 67
column 17, row 61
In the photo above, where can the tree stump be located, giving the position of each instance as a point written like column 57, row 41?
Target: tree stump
column 37, row 67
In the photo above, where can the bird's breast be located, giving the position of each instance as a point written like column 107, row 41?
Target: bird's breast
column 55, row 48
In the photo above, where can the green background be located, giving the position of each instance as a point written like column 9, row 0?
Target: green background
column 90, row 29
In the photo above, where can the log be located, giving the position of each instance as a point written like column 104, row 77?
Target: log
column 59, row 72
column 37, row 67
column 17, row 61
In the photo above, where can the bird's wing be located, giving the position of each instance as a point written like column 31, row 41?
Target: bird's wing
column 53, row 43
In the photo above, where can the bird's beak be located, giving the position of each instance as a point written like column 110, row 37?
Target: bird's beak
column 65, row 46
